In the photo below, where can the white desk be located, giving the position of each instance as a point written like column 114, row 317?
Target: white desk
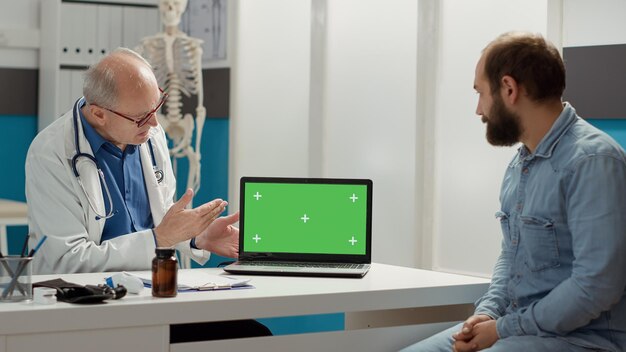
column 141, row 322
column 12, row 213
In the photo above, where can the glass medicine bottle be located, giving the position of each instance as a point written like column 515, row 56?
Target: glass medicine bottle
column 164, row 273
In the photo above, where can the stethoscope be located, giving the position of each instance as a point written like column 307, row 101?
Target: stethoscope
column 157, row 172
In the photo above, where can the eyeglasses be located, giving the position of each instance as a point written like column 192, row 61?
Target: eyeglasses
column 143, row 120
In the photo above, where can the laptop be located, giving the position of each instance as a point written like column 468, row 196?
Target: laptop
column 304, row 227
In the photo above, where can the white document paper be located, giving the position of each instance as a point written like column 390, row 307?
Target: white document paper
column 194, row 279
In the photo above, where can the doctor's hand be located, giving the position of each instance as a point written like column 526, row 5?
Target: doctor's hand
column 221, row 237
column 180, row 224
column 478, row 332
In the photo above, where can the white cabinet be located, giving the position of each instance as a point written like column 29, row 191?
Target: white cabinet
column 78, row 33
column 109, row 29
column 138, row 23
column 75, row 34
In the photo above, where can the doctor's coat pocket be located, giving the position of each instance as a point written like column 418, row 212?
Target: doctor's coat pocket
column 538, row 237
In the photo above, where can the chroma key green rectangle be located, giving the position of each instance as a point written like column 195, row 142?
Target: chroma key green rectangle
column 305, row 218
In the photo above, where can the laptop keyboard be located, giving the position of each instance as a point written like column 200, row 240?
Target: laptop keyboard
column 307, row 265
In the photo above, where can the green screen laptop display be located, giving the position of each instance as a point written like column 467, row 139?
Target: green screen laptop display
column 306, row 216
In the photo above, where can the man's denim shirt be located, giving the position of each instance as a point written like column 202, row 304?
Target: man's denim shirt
column 562, row 270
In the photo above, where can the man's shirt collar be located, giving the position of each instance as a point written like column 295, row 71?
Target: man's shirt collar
column 97, row 141
column 545, row 147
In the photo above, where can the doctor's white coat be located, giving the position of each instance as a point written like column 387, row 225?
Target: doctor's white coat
column 58, row 208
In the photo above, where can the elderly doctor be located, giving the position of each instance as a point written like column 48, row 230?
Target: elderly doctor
column 100, row 185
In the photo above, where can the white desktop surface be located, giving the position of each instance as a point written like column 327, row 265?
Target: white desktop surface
column 385, row 287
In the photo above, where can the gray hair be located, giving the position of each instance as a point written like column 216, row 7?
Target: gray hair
column 100, row 81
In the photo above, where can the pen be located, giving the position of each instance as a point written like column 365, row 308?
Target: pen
column 21, row 267
column 34, row 250
column 6, row 266
column 23, row 252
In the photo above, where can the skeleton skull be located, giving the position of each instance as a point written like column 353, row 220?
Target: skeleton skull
column 171, row 11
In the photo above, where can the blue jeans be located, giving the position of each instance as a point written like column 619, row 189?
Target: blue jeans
column 442, row 342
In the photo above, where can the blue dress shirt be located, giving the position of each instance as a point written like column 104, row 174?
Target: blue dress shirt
column 124, row 177
column 562, row 269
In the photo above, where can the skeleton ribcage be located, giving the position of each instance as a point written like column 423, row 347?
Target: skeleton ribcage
column 182, row 77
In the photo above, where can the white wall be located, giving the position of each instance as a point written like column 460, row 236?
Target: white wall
column 468, row 170
column 270, row 90
column 599, row 22
column 369, row 113
column 363, row 123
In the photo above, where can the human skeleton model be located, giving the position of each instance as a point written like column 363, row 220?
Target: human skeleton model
column 177, row 63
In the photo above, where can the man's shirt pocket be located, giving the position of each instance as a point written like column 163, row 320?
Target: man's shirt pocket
column 538, row 239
